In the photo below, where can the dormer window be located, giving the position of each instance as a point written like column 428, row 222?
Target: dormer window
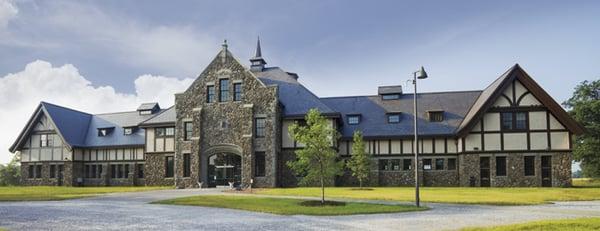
column 436, row 116
column 128, row 130
column 148, row 108
column 353, row 119
column 105, row 131
column 146, row 112
column 390, row 96
column 393, row 118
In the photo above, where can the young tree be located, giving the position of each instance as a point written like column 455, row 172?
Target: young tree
column 359, row 163
column 317, row 161
column 10, row 173
column 584, row 106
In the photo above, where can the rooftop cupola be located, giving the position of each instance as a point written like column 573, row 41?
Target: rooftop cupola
column 258, row 63
column 390, row 92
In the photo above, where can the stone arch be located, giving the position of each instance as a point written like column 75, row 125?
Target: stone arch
column 213, row 150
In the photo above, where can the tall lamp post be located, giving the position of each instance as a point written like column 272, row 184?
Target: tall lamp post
column 420, row 74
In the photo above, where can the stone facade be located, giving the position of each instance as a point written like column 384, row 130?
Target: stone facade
column 227, row 127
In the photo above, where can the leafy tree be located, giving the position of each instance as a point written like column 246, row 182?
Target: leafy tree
column 584, row 106
column 359, row 162
column 317, row 161
column 10, row 173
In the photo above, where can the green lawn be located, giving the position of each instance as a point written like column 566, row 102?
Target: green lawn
column 579, row 224
column 491, row 196
column 45, row 193
column 286, row 206
column 586, row 182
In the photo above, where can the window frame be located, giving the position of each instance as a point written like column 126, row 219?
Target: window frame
column 169, row 167
column 430, row 164
column 404, row 164
column 500, row 168
column 529, row 171
column 260, row 131
column 140, row 171
column 187, row 165
column 188, row 131
column 436, row 116
column 512, row 118
column 210, row 93
column 44, row 141
column 260, row 165
column 390, row 96
column 237, row 91
column 453, row 161
column 437, row 162
column 390, row 115
column 223, row 90
column 348, row 119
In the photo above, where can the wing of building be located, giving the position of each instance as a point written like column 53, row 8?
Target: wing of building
column 230, row 126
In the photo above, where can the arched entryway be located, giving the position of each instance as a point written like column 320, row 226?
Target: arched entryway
column 224, row 168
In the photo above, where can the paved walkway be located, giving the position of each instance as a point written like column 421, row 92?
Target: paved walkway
column 131, row 211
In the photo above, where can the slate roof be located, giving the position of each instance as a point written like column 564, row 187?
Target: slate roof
column 117, row 137
column 373, row 110
column 148, row 106
column 164, row 117
column 294, row 97
column 72, row 124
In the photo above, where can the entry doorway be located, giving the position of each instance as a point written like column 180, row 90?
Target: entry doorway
column 484, row 171
column 546, row 171
column 224, row 168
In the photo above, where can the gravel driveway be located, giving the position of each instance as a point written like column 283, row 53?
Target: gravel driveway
column 131, row 211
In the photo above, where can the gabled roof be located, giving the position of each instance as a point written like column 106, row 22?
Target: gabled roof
column 294, row 97
column 71, row 124
column 373, row 110
column 148, row 106
column 117, row 137
column 167, row 116
column 491, row 93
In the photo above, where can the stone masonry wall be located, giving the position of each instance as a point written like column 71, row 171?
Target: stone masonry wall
column 226, row 126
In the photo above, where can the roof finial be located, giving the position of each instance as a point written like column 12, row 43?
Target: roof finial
column 258, row 53
column 258, row 63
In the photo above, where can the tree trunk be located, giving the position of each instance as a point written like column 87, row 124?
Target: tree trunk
column 322, row 187
column 360, row 183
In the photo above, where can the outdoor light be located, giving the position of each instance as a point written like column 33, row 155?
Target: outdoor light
column 420, row 74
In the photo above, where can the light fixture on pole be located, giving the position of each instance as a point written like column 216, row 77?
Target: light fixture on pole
column 420, row 74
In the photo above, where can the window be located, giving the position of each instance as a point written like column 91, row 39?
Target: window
column 44, row 140
column 451, row 163
column 169, row 164
column 529, row 165
column 186, row 165
column 393, row 118
column 145, row 112
column 127, row 131
column 426, row 164
column 439, row 164
column 93, row 171
column 395, row 165
column 52, row 171
column 210, row 94
column 223, row 90
column 384, row 165
column 86, row 171
column 162, row 132
column 188, row 128
column 436, row 116
column 500, row 166
column 126, row 171
column 103, row 131
column 513, row 120
column 353, row 119
column 38, row 171
column 113, row 171
column 406, row 164
column 140, row 170
column 259, row 164
column 260, row 127
column 31, row 171
column 521, row 120
column 99, row 171
column 119, row 171
column 507, row 121
column 390, row 96
column 237, row 92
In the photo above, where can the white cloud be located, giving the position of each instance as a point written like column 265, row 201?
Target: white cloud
column 8, row 11
column 21, row 92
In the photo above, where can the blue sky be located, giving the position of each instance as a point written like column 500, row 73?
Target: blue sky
column 337, row 47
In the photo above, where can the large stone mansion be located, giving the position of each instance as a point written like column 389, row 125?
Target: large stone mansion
column 231, row 125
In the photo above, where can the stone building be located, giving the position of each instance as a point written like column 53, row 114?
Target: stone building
column 231, row 125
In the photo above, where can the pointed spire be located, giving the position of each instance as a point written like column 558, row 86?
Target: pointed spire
column 258, row 53
column 258, row 63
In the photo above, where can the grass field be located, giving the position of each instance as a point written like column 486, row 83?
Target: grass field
column 579, row 224
column 286, row 206
column 586, row 182
column 585, row 190
column 45, row 193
